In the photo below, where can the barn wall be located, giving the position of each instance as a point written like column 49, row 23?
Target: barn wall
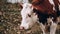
column 17, row 1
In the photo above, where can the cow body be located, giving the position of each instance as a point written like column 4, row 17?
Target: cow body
column 46, row 6
column 38, row 12
column 44, row 9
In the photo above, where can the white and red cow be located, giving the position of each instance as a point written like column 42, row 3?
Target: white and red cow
column 28, row 17
column 38, row 12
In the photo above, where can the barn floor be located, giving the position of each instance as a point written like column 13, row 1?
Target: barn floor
column 10, row 19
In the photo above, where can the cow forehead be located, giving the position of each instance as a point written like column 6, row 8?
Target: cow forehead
column 27, row 9
column 27, row 4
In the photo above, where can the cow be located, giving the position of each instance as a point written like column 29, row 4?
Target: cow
column 37, row 12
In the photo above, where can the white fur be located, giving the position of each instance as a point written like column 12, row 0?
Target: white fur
column 51, row 1
column 53, row 28
column 59, row 0
column 26, row 10
column 42, row 28
column 27, row 21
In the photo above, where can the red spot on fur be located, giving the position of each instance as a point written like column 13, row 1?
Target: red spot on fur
column 43, row 6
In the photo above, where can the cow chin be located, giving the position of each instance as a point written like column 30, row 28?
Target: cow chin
column 27, row 25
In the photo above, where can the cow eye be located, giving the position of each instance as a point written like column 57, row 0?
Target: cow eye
column 29, row 15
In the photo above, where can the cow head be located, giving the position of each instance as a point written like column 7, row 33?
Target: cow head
column 28, row 16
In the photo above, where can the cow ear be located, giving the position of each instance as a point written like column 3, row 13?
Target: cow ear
column 21, row 5
column 31, row 6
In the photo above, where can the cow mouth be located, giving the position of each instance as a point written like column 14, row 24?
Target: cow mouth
column 25, row 30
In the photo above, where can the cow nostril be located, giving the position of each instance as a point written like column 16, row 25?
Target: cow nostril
column 21, row 27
